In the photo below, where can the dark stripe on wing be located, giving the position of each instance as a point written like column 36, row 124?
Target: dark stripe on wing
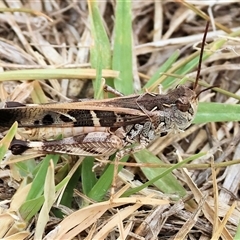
column 36, row 118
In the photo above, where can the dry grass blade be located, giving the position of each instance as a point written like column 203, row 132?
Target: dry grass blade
column 207, row 210
column 83, row 218
column 190, row 223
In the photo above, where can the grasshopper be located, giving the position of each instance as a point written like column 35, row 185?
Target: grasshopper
column 100, row 128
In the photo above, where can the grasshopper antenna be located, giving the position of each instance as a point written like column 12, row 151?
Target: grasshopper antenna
column 201, row 56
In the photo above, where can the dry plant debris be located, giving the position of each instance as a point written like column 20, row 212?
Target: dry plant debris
column 54, row 38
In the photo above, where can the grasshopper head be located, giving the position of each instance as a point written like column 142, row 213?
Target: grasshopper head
column 185, row 108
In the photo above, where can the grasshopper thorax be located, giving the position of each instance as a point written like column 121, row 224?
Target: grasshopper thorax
column 186, row 106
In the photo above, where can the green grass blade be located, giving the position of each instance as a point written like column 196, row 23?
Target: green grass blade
column 31, row 207
column 122, row 49
column 39, row 180
column 41, row 74
column 162, row 178
column 49, row 198
column 217, row 112
column 6, row 141
column 153, row 81
column 88, row 176
column 237, row 235
column 101, row 49
column 67, row 196
column 104, row 183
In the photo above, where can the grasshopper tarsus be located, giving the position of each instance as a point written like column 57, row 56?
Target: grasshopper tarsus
column 109, row 89
column 13, row 104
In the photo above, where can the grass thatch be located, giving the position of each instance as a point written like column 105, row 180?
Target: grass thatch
column 56, row 51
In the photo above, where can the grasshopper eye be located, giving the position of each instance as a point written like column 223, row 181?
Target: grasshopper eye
column 182, row 106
